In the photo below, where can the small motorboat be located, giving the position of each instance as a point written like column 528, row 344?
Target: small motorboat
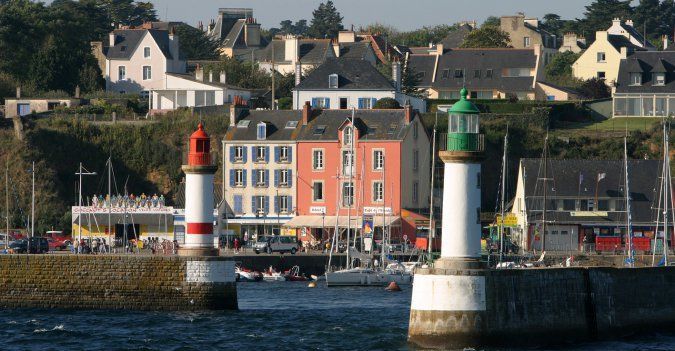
column 247, row 275
column 294, row 275
column 271, row 275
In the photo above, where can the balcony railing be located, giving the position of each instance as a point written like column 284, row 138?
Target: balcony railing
column 466, row 142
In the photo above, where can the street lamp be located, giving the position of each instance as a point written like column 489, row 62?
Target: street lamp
column 81, row 172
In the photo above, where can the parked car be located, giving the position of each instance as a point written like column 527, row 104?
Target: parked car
column 36, row 245
column 56, row 244
column 276, row 243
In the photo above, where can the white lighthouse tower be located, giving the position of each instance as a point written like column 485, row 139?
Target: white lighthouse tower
column 199, row 174
column 448, row 299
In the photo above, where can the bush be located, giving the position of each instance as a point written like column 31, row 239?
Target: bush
column 285, row 103
column 387, row 103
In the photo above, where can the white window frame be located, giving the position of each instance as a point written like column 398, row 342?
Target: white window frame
column 283, row 204
column 378, row 191
column 600, row 59
column 347, row 161
column 239, row 177
column 283, row 177
column 527, row 41
column 348, row 136
column 238, row 154
column 333, row 81
column 323, row 192
column 283, row 153
column 367, row 103
column 347, row 196
column 415, row 192
column 122, row 76
column 149, row 75
column 260, row 154
column 259, row 204
column 378, row 159
column 318, row 161
column 146, row 52
column 659, row 76
column 635, row 82
column 261, row 131
column 260, row 177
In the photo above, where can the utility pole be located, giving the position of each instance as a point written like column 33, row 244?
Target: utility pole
column 273, row 88
column 432, row 227
column 32, row 204
column 81, row 172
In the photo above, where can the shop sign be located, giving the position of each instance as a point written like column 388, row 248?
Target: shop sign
column 376, row 210
column 317, row 210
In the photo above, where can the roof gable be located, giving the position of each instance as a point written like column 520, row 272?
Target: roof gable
column 353, row 74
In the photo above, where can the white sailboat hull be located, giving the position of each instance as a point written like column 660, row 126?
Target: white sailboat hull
column 356, row 277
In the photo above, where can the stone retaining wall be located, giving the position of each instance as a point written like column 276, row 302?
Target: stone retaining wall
column 117, row 282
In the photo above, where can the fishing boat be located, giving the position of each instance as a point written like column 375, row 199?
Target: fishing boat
column 247, row 275
column 271, row 275
column 293, row 275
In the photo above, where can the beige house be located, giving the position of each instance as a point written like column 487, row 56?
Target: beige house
column 572, row 42
column 525, row 33
column 602, row 58
column 21, row 107
column 136, row 60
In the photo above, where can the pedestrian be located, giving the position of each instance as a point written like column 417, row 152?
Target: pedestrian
column 236, row 245
column 76, row 247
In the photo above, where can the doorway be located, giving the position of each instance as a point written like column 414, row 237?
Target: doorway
column 343, row 103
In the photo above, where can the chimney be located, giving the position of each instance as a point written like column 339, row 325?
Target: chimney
column 396, row 74
column 211, row 76
column 77, row 91
column 223, row 77
column 665, row 42
column 346, row 36
column 616, row 21
column 236, row 107
column 439, row 49
column 306, row 113
column 409, row 113
column 18, row 92
column 336, row 47
column 291, row 47
column 199, row 73
column 252, row 32
column 112, row 38
column 624, row 52
column 629, row 22
column 298, row 73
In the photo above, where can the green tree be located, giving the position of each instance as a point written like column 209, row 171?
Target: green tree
column 492, row 21
column 326, row 22
column 195, row 44
column 487, row 37
column 559, row 70
column 666, row 17
column 242, row 74
column 595, row 88
column 410, row 81
column 646, row 15
column 90, row 78
column 387, row 103
column 600, row 13
column 128, row 12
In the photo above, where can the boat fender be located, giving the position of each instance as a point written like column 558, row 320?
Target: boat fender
column 393, row 287
column 311, row 285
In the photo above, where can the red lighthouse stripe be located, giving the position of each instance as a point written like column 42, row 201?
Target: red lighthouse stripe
column 200, row 228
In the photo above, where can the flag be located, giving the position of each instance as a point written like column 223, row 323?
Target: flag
column 581, row 178
column 601, row 176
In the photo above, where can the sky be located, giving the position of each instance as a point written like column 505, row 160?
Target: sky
column 401, row 14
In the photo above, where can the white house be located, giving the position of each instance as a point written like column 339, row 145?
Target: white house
column 137, row 60
column 351, row 83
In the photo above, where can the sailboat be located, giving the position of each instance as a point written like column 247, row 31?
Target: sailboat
column 665, row 198
column 370, row 275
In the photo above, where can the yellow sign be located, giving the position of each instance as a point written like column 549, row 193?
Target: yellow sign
column 510, row 221
column 288, row 231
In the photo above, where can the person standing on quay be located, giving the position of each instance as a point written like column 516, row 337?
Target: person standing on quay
column 236, row 245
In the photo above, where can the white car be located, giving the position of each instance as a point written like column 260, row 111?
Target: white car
column 276, row 243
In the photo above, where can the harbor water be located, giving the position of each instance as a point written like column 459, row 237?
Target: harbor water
column 272, row 316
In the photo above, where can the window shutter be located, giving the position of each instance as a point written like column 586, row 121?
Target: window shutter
column 290, row 203
column 267, row 177
column 276, row 177
column 276, row 204
column 327, row 103
column 277, row 153
column 232, row 177
column 372, row 103
column 245, row 151
column 267, row 154
column 266, row 203
column 231, row 153
column 243, row 176
column 290, row 154
column 361, row 103
column 237, row 204
column 253, row 209
column 314, row 102
column 290, row 178
column 253, row 180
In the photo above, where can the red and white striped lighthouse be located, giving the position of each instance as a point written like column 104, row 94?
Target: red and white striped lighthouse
column 199, row 174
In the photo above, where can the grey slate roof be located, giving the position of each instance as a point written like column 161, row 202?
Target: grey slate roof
column 565, row 184
column 357, row 50
column 476, row 59
column 235, row 38
column 619, row 41
column 276, row 125
column 311, row 51
column 353, row 74
column 127, row 40
column 637, row 35
column 456, row 37
column 192, row 78
column 372, row 124
column 647, row 62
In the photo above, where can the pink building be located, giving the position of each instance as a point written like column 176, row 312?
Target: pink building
column 385, row 170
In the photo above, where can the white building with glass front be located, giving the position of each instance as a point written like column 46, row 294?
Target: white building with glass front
column 645, row 85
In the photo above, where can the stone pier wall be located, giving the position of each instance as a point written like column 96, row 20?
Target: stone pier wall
column 541, row 306
column 117, row 282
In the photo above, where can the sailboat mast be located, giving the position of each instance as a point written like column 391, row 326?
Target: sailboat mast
column 629, row 228
column 351, row 159
column 543, row 216
column 32, row 203
column 385, row 249
column 109, row 193
column 668, row 195
column 501, row 226
column 7, row 203
column 431, row 196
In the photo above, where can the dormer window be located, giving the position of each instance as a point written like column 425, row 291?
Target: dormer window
column 636, row 79
column 333, row 81
column 262, row 131
column 347, row 136
column 659, row 78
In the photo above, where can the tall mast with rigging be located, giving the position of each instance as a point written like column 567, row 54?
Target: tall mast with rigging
column 631, row 260
column 503, row 190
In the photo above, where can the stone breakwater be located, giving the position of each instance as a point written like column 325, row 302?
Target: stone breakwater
column 117, row 282
column 477, row 308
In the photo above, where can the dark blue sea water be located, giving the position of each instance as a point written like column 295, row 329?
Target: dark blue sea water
column 272, row 316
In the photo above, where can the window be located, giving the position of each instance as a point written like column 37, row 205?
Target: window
column 415, row 192
column 238, row 153
column 517, row 72
column 283, row 177
column 260, row 179
column 147, row 72
column 238, row 204
column 283, row 153
column 488, row 73
column 459, row 73
column 317, row 190
column 415, row 131
column 259, row 204
column 378, row 192
column 367, row 103
column 347, row 162
column 321, row 102
column 347, row 136
column 260, row 154
column 348, row 194
column 283, row 204
column 238, row 177
column 636, row 79
column 333, row 81
column 601, row 75
column 659, row 78
column 146, row 52
column 261, row 131
column 121, row 73
column 569, row 205
column 344, row 102
column 317, row 159
column 526, row 42
column 445, row 74
column 601, row 57
column 476, row 73
column 378, row 160
column 416, row 160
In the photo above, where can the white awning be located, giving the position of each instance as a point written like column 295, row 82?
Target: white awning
column 329, row 221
